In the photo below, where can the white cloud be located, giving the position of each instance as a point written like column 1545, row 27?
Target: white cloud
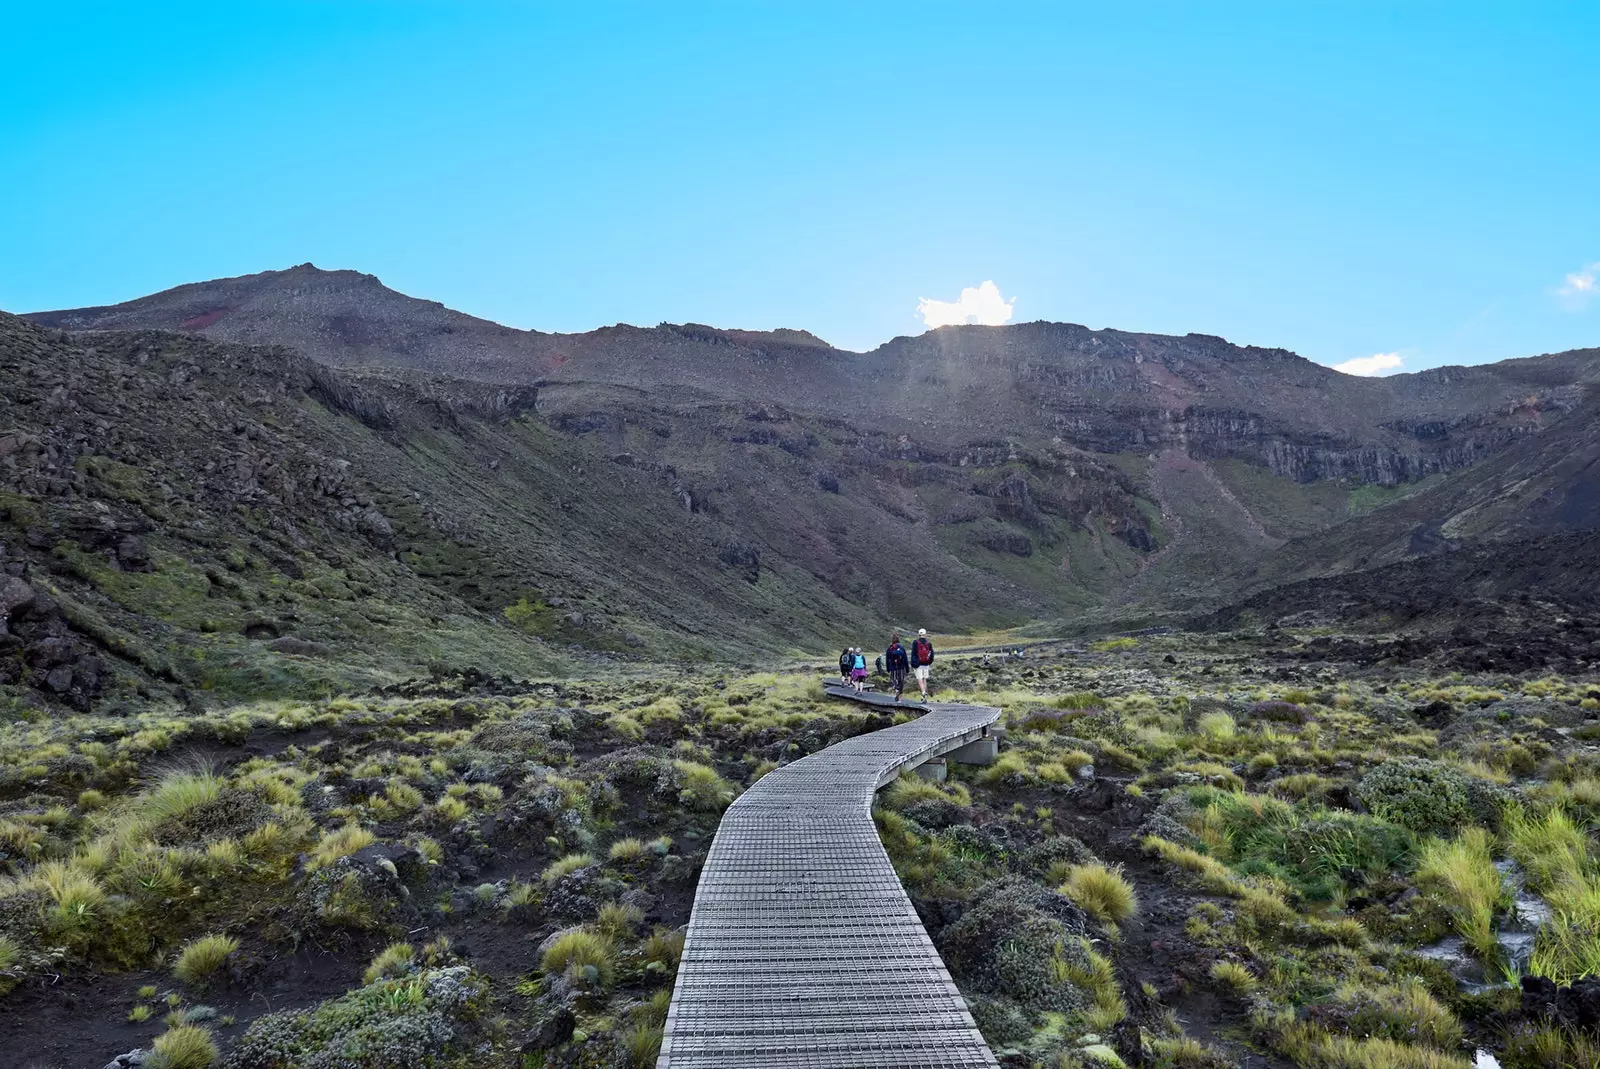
column 977, row 304
column 1580, row 287
column 1376, row 364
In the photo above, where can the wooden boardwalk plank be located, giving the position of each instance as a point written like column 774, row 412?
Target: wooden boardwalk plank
column 803, row 949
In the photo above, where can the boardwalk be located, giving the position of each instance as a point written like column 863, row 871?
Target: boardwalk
column 803, row 949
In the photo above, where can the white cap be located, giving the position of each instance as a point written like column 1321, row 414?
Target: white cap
column 922, row 630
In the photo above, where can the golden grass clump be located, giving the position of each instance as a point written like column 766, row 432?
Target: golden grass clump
column 185, row 1046
column 200, row 958
column 702, row 788
column 340, row 842
column 641, row 1043
column 626, row 850
column 1234, row 977
column 1213, row 874
column 392, row 961
column 1102, row 892
column 617, row 920
column 565, row 866
column 664, row 946
column 585, row 957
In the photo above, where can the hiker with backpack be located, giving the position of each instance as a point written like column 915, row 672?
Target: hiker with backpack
column 922, row 661
column 899, row 664
column 847, row 660
column 858, row 671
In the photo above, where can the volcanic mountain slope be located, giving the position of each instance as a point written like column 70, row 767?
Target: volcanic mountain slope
column 176, row 512
column 1109, row 391
column 971, row 475
column 1542, row 485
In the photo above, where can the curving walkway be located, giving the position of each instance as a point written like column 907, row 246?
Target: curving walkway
column 803, row 949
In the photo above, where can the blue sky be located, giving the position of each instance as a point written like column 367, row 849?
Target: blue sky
column 1341, row 179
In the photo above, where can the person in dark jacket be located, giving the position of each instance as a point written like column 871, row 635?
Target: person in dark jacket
column 847, row 660
column 922, row 661
column 899, row 664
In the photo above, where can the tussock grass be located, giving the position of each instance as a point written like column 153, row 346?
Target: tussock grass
column 186, row 1046
column 1100, row 891
column 1408, row 1013
column 565, row 866
column 200, row 958
column 1346, row 1052
column 617, row 920
column 1552, row 849
column 1234, row 977
column 702, row 788
column 584, row 957
column 1097, row 977
column 626, row 850
column 664, row 946
column 392, row 961
column 1214, row 876
column 1461, row 871
column 340, row 842
column 641, row 1045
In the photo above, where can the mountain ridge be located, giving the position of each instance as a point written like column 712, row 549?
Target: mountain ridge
column 969, row 475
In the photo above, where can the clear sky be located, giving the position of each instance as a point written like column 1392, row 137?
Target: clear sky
column 1344, row 180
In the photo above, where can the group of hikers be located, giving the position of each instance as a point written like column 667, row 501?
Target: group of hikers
column 897, row 660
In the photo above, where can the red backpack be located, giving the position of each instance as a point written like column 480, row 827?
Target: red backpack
column 922, row 652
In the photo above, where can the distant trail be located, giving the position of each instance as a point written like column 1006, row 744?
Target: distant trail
column 803, row 949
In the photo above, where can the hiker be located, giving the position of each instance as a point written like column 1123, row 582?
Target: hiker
column 846, row 662
column 858, row 671
column 879, row 664
column 922, row 661
column 899, row 664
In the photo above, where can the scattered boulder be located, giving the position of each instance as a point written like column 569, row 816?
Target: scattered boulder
column 1575, row 1007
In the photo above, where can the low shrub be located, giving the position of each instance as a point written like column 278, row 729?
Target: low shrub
column 1426, row 796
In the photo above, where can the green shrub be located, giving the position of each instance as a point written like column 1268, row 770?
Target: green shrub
column 1426, row 796
column 202, row 957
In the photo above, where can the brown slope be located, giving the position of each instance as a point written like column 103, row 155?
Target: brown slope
column 992, row 451
column 1541, row 485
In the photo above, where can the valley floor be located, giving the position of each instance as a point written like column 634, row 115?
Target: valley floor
column 1258, row 848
